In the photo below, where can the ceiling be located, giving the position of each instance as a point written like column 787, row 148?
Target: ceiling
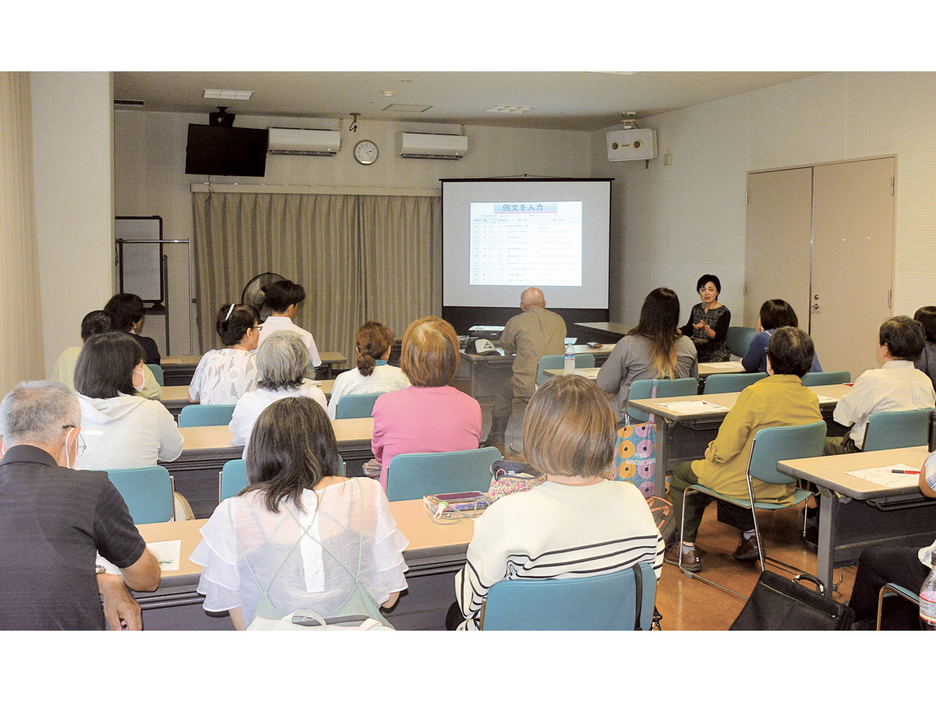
column 556, row 100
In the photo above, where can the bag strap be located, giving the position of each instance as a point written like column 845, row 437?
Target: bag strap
column 638, row 598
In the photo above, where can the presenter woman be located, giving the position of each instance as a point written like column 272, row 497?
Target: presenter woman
column 708, row 323
column 575, row 523
column 223, row 376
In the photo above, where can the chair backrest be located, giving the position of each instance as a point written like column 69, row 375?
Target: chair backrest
column 898, row 429
column 147, row 492
column 582, row 360
column 599, row 602
column 774, row 444
column 412, row 476
column 233, row 478
column 643, row 389
column 206, row 415
column 158, row 372
column 354, row 406
column 739, row 339
column 826, row 378
column 730, row 382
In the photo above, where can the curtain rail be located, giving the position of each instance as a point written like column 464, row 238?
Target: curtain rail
column 313, row 189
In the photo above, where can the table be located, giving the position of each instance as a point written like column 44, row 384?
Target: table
column 605, row 332
column 707, row 369
column 856, row 513
column 175, row 397
column 684, row 435
column 435, row 553
column 178, row 370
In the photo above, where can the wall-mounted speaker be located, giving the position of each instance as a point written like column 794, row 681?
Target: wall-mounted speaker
column 631, row 145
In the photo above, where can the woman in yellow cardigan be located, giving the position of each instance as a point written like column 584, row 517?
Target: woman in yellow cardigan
column 776, row 401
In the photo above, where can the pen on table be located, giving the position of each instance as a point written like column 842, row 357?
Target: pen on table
column 905, row 472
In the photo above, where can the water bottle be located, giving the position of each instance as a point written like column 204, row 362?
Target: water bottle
column 569, row 360
column 928, row 598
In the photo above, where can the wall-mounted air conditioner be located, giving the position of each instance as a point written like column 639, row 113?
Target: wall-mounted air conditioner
column 304, row 142
column 447, row 146
column 632, row 145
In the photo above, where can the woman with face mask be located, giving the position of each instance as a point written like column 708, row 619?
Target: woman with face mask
column 121, row 428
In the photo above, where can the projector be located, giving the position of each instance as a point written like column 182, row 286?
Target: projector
column 481, row 332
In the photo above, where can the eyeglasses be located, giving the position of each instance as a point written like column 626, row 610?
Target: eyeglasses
column 81, row 442
column 257, row 328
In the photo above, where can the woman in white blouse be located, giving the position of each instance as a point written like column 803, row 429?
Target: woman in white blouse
column 294, row 538
column 225, row 375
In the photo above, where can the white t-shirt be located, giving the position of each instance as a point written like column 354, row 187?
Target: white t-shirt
column 249, row 407
column 274, row 324
column 384, row 379
column 223, row 376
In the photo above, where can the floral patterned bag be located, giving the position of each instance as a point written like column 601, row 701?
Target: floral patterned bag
column 635, row 453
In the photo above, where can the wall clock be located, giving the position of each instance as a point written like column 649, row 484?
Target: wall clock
column 366, row 152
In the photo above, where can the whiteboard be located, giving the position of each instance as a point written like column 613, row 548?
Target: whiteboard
column 140, row 265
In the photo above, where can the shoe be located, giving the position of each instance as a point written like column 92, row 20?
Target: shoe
column 747, row 549
column 495, row 441
column 811, row 537
column 690, row 561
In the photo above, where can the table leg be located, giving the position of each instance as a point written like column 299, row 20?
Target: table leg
column 662, row 457
column 828, row 507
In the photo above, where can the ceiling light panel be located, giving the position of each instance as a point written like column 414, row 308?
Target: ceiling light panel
column 512, row 109
column 397, row 107
column 217, row 94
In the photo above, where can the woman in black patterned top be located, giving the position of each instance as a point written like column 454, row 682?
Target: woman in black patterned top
column 708, row 322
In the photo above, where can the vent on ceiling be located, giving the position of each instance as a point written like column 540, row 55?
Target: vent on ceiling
column 128, row 103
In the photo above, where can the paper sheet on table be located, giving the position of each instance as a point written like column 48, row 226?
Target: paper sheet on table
column 168, row 553
column 883, row 476
column 826, row 398
column 694, row 406
column 724, row 366
column 590, row 373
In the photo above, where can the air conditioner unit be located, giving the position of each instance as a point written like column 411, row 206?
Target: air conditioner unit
column 304, row 142
column 446, row 146
column 631, row 145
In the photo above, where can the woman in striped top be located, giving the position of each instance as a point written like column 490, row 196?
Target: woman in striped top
column 576, row 524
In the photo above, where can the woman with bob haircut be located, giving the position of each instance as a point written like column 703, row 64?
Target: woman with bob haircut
column 576, row 523
column 430, row 416
column 121, row 428
column 127, row 315
column 708, row 322
column 373, row 343
column 652, row 349
column 773, row 315
column 298, row 534
column 223, row 376
column 283, row 364
column 927, row 360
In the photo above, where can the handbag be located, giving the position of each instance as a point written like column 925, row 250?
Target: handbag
column 508, row 477
column 635, row 453
column 779, row 604
column 309, row 620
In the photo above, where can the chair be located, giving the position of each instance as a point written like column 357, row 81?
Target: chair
column 412, row 476
column 739, row 339
column 206, row 415
column 890, row 589
column 148, row 492
column 582, row 360
column 898, row 429
column 158, row 372
column 233, row 478
column 770, row 445
column 600, row 602
column 826, row 378
column 643, row 389
column 730, row 382
column 354, row 406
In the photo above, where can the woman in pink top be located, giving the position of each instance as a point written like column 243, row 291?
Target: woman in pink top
column 429, row 416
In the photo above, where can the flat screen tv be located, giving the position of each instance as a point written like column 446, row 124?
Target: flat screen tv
column 229, row 151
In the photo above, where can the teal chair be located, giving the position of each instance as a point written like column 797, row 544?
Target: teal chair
column 730, row 382
column 770, row 446
column 619, row 601
column 148, row 492
column 826, row 378
column 355, row 406
column 898, row 429
column 206, row 415
column 582, row 360
column 643, row 389
column 412, row 476
column 233, row 478
column 158, row 373
column 739, row 340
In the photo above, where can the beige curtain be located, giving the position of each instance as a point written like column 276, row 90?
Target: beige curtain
column 359, row 257
column 21, row 348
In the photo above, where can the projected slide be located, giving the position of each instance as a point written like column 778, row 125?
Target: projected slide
column 513, row 243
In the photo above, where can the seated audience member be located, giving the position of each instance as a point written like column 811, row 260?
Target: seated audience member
column 652, row 349
column 575, row 523
column 128, row 315
column 708, row 322
column 773, row 315
column 283, row 364
column 223, row 376
column 121, row 428
column 430, row 415
column 283, row 300
column 54, row 521
column 897, row 385
column 906, row 566
column 373, row 343
column 927, row 360
column 297, row 536
column 776, row 401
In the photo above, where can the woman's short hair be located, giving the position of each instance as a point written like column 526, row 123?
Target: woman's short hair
column 569, row 428
column 292, row 447
column 927, row 317
column 282, row 294
column 232, row 324
column 37, row 411
column 430, row 356
column 371, row 343
column 790, row 352
column 125, row 310
column 777, row 313
column 709, row 278
column 96, row 322
column 105, row 365
column 904, row 337
column 282, row 361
